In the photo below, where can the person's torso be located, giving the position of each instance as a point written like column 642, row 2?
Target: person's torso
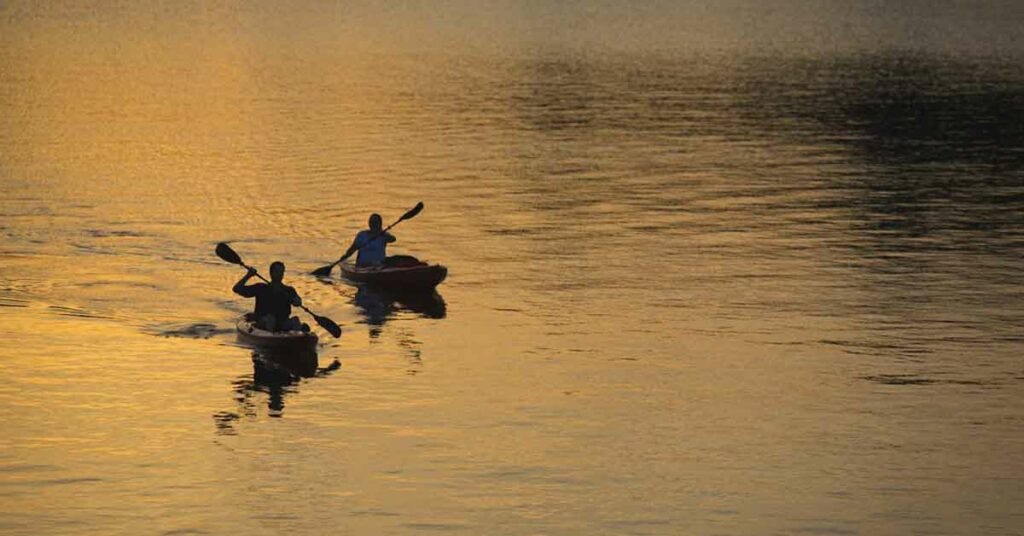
column 275, row 300
column 375, row 249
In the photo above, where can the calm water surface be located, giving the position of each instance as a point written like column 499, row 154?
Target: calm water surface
column 690, row 292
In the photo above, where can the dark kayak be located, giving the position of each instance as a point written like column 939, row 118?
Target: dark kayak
column 420, row 276
column 249, row 334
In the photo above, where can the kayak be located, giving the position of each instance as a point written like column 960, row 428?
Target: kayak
column 420, row 276
column 249, row 334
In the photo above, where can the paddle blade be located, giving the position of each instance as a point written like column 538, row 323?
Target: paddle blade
column 225, row 252
column 412, row 213
column 323, row 271
column 329, row 325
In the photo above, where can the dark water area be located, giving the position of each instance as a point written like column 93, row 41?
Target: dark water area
column 702, row 287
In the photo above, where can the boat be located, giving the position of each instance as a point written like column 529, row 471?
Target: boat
column 284, row 341
column 406, row 277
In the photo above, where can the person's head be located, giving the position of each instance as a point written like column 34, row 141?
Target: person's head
column 376, row 222
column 276, row 271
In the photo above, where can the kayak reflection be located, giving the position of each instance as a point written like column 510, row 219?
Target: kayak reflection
column 378, row 306
column 275, row 374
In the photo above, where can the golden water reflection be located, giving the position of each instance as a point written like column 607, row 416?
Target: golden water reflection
column 692, row 290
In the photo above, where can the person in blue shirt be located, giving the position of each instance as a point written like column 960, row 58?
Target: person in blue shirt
column 371, row 243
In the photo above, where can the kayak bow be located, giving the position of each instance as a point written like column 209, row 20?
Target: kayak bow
column 250, row 335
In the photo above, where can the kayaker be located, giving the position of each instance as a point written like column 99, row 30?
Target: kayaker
column 371, row 243
column 274, row 300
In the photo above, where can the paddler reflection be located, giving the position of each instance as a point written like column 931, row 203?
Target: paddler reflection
column 276, row 376
column 378, row 306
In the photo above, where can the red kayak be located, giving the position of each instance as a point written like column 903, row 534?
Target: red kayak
column 283, row 341
column 420, row 276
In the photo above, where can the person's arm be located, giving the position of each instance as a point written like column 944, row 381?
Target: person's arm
column 296, row 300
column 351, row 249
column 241, row 289
column 389, row 238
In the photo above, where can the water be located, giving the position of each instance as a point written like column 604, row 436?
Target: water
column 693, row 289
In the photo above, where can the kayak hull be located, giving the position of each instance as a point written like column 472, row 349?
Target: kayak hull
column 400, row 278
column 283, row 341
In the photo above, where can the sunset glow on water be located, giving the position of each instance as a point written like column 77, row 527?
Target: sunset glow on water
column 713, row 269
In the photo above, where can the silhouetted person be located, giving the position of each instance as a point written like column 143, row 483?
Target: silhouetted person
column 274, row 300
column 373, row 243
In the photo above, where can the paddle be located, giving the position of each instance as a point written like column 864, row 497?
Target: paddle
column 326, row 270
column 225, row 252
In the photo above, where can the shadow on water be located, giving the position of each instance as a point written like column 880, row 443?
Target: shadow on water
column 273, row 374
column 924, row 186
column 941, row 142
column 893, row 108
column 891, row 180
